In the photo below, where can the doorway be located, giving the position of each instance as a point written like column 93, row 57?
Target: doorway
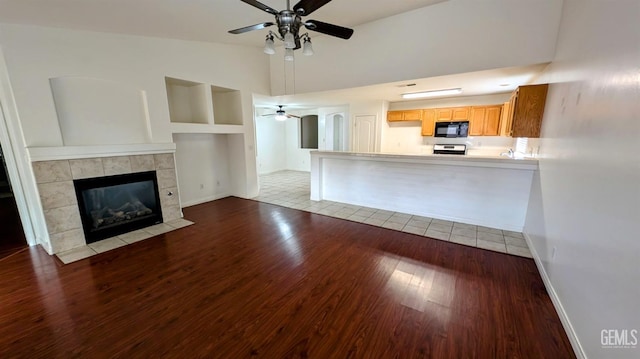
column 12, row 238
column 365, row 132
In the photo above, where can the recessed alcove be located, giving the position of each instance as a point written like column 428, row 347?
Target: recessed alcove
column 188, row 101
column 227, row 106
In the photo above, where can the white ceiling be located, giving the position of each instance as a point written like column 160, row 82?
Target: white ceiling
column 210, row 20
column 473, row 84
column 199, row 20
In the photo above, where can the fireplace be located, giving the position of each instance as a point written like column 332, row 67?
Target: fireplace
column 114, row 205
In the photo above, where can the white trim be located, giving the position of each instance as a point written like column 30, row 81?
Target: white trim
column 205, row 199
column 76, row 152
column 21, row 178
column 564, row 318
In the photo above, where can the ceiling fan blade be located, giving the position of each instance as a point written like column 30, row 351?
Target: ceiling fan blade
column 329, row 29
column 294, row 116
column 251, row 28
column 306, row 7
column 261, row 6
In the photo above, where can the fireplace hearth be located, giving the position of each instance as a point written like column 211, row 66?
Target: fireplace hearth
column 114, row 205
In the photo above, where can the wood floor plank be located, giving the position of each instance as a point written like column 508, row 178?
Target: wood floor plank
column 251, row 279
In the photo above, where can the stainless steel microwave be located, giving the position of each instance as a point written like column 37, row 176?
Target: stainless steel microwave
column 451, row 129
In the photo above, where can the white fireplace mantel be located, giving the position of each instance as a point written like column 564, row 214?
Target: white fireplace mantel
column 77, row 152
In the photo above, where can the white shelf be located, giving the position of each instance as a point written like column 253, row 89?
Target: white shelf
column 201, row 128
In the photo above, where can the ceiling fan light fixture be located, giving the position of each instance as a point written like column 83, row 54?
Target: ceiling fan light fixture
column 289, row 41
column 434, row 93
column 288, row 55
column 269, row 46
column 307, row 47
column 280, row 116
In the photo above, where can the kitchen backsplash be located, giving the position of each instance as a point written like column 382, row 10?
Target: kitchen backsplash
column 476, row 146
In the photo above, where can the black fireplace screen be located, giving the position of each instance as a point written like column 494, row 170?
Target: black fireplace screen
column 118, row 204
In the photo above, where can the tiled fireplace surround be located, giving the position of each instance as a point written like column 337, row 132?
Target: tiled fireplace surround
column 58, row 197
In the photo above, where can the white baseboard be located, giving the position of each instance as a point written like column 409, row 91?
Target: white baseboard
column 204, row 200
column 564, row 319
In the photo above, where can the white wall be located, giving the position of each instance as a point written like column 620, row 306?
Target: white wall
column 140, row 61
column 34, row 55
column 270, row 138
column 451, row 37
column 468, row 190
column 204, row 177
column 585, row 205
column 496, row 99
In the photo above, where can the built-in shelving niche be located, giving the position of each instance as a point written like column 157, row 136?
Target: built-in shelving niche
column 227, row 106
column 207, row 127
column 202, row 104
column 188, row 102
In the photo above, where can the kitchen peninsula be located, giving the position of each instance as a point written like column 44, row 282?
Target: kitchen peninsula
column 486, row 191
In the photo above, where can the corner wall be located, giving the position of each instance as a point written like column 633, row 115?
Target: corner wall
column 584, row 210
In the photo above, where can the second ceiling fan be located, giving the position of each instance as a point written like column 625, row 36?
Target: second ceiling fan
column 290, row 20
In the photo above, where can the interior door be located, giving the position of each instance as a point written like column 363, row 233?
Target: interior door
column 364, row 133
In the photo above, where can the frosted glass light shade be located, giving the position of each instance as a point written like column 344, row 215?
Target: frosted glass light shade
column 289, row 41
column 269, row 47
column 307, row 48
column 288, row 54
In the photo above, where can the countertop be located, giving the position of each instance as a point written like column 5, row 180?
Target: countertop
column 450, row 160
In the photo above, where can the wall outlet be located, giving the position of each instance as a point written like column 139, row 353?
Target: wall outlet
column 218, row 183
column 201, row 186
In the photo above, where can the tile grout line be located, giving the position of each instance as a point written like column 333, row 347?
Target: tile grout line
column 280, row 184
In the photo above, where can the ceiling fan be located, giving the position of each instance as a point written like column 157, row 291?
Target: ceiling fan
column 280, row 114
column 290, row 20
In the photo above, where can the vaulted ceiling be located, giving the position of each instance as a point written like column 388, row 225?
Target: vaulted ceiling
column 200, row 20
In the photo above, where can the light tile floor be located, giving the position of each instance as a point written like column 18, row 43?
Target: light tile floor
column 291, row 189
column 108, row 244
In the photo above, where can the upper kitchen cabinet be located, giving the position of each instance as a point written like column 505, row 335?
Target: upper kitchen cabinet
column 406, row 115
column 525, row 111
column 428, row 121
column 452, row 114
column 485, row 120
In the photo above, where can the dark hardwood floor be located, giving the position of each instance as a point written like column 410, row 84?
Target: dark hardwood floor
column 254, row 279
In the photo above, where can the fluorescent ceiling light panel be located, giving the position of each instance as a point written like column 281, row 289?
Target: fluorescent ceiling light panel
column 432, row 93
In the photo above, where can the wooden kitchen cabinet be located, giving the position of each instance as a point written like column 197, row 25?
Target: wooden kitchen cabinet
column 405, row 115
column 428, row 121
column 485, row 120
column 452, row 114
column 526, row 109
column 444, row 114
column 476, row 120
column 460, row 114
column 492, row 121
